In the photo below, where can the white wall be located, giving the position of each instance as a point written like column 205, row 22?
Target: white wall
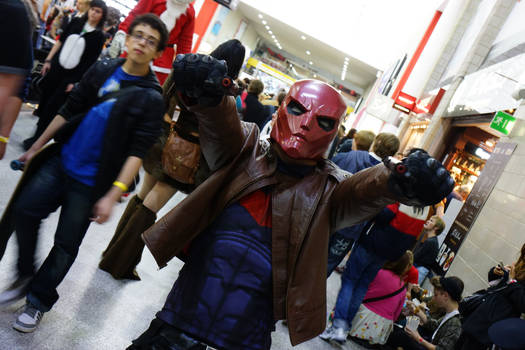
column 230, row 21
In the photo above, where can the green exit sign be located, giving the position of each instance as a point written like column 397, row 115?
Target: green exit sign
column 502, row 122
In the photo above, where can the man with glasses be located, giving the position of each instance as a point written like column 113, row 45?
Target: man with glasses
column 109, row 121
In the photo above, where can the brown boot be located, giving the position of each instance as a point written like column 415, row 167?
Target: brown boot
column 130, row 209
column 122, row 257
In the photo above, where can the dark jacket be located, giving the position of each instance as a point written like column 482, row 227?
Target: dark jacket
column 304, row 212
column 255, row 111
column 507, row 303
column 425, row 255
column 94, row 43
column 132, row 127
column 353, row 162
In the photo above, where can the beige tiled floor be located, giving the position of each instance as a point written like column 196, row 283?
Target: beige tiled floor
column 95, row 311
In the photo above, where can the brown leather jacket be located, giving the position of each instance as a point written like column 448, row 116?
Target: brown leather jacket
column 304, row 212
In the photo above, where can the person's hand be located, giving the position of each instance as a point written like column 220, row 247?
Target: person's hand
column 26, row 157
column 419, row 180
column 512, row 271
column 45, row 68
column 414, row 334
column 69, row 87
column 117, row 44
column 200, row 79
column 102, row 209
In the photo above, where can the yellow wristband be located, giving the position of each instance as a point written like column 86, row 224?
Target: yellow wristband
column 4, row 139
column 120, row 185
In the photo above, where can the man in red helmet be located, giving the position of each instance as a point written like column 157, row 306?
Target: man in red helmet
column 179, row 18
column 256, row 232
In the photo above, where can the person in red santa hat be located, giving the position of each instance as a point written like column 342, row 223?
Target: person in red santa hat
column 179, row 18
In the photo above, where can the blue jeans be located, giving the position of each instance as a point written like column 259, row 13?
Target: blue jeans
column 49, row 188
column 360, row 271
column 423, row 273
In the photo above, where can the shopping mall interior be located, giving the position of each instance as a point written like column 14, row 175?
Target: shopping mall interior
column 442, row 76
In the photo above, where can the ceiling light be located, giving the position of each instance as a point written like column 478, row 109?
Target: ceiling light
column 315, row 75
column 307, row 52
column 343, row 76
column 273, row 36
column 346, row 59
column 260, row 16
column 270, row 32
column 311, row 62
column 303, row 37
column 264, row 22
column 267, row 27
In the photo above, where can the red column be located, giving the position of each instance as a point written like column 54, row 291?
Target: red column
column 203, row 20
column 417, row 53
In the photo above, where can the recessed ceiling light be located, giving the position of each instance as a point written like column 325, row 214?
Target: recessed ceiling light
column 343, row 76
column 346, row 59
column 267, row 27
column 307, row 52
column 264, row 22
column 311, row 62
column 270, row 32
column 315, row 75
column 260, row 16
column 273, row 36
column 303, row 37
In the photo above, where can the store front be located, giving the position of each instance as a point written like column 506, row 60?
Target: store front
column 470, row 145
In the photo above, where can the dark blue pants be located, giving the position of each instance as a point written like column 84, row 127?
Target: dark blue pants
column 360, row 271
column 48, row 189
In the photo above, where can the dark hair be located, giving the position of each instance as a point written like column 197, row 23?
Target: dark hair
column 231, row 51
column 401, row 265
column 102, row 5
column 154, row 22
column 281, row 97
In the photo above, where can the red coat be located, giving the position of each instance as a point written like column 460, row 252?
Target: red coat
column 181, row 34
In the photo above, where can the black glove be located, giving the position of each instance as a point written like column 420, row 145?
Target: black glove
column 420, row 179
column 201, row 79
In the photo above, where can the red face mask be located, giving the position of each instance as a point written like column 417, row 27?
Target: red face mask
column 308, row 119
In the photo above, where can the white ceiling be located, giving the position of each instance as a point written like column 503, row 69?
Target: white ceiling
column 373, row 34
column 326, row 60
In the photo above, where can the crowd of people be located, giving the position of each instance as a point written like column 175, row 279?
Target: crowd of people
column 277, row 197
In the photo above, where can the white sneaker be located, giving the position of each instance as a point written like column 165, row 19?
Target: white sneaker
column 16, row 291
column 334, row 334
column 28, row 320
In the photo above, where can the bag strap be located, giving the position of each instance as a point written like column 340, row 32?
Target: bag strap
column 371, row 300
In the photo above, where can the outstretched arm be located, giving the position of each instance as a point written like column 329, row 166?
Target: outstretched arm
column 418, row 181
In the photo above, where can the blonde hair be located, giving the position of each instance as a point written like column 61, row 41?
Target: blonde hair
column 385, row 145
column 363, row 139
column 255, row 87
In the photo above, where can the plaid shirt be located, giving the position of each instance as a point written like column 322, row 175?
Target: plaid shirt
column 447, row 335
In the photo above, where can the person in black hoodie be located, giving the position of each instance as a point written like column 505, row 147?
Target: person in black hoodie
column 255, row 111
column 108, row 123
column 77, row 48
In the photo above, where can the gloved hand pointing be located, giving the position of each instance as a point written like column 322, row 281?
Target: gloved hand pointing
column 420, row 179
